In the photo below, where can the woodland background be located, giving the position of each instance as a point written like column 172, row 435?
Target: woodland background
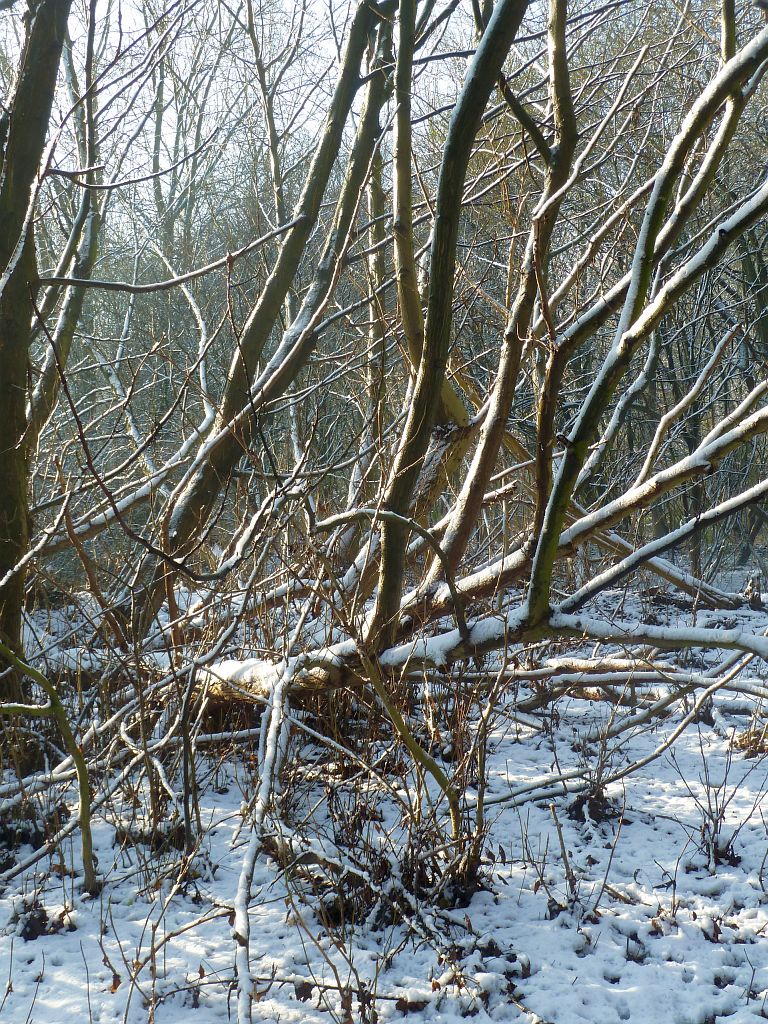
column 370, row 374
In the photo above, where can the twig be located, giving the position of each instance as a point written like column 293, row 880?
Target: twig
column 569, row 875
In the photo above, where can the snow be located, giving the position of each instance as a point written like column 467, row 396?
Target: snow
column 253, row 674
column 658, row 913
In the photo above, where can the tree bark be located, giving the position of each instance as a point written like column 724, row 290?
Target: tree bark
column 30, row 111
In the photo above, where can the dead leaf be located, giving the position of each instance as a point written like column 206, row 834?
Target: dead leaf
column 410, row 1005
column 304, row 990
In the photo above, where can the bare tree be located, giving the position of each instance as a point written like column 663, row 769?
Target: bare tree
column 363, row 345
column 23, row 160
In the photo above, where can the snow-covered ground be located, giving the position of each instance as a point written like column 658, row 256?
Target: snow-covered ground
column 653, row 907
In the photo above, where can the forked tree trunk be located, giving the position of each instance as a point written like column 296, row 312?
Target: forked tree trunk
column 20, row 163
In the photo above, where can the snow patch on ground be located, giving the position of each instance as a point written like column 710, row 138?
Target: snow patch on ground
column 657, row 912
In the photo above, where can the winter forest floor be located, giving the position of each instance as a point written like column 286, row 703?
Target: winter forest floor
column 646, row 902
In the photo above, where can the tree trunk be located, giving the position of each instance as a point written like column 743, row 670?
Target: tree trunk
column 30, row 111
